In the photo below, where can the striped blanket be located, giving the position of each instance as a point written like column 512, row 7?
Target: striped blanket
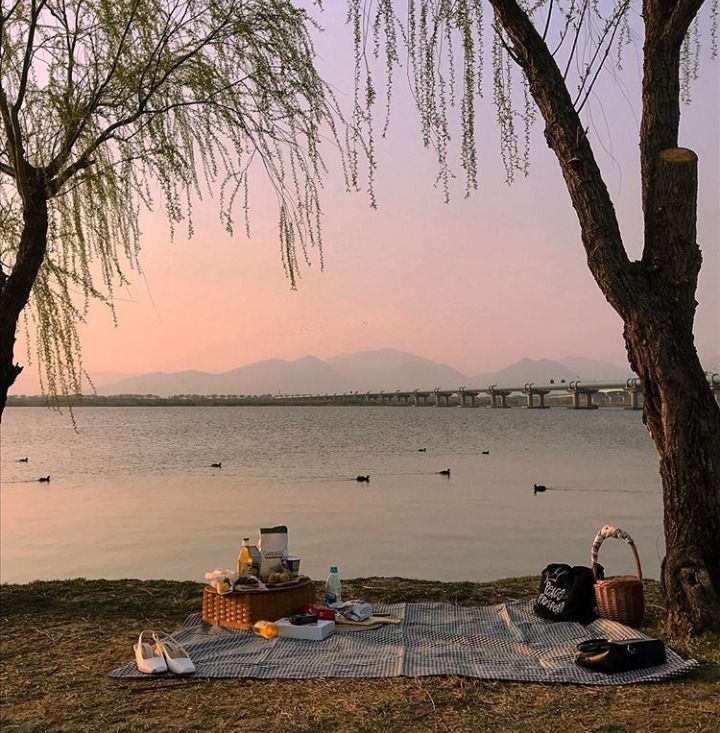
column 503, row 642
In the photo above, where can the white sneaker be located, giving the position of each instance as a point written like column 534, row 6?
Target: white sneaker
column 148, row 660
column 177, row 659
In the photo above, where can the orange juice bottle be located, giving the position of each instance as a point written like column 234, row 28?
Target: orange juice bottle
column 266, row 629
column 245, row 559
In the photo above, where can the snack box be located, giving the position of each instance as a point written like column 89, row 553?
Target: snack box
column 316, row 632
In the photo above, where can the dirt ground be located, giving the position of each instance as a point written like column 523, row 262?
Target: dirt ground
column 60, row 639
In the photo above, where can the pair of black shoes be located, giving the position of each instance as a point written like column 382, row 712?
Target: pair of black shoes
column 610, row 657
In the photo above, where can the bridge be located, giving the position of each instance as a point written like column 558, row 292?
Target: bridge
column 533, row 396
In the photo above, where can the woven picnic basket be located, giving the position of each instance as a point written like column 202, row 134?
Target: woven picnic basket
column 619, row 598
column 240, row 610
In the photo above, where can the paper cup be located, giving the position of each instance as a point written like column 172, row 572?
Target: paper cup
column 294, row 566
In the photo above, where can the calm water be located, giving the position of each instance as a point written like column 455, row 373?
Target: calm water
column 132, row 493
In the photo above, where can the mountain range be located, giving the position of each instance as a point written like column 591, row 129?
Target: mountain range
column 385, row 369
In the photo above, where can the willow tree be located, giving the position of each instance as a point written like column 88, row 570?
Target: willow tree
column 109, row 107
column 551, row 52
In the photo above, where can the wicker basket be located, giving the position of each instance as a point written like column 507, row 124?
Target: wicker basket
column 619, row 598
column 240, row 610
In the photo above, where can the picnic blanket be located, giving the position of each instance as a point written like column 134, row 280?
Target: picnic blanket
column 503, row 642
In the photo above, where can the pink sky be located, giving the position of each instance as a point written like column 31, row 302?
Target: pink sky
column 477, row 284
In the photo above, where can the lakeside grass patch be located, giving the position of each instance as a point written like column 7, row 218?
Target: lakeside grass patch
column 61, row 638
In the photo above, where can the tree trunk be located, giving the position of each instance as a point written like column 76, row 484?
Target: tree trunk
column 684, row 422
column 680, row 411
column 15, row 289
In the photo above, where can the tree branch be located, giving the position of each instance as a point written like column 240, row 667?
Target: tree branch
column 59, row 181
column 74, row 131
column 566, row 136
column 29, row 51
column 84, row 159
column 15, row 148
column 665, row 27
column 682, row 14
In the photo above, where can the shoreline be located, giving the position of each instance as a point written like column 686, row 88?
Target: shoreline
column 266, row 401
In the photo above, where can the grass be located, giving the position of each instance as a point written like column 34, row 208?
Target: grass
column 60, row 638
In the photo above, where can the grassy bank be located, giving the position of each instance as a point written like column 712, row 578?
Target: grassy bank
column 59, row 640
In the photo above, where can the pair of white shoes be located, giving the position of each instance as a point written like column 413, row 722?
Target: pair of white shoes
column 162, row 655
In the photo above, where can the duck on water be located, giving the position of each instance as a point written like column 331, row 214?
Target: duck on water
column 365, row 479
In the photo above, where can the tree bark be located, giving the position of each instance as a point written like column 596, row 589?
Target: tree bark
column 16, row 287
column 680, row 411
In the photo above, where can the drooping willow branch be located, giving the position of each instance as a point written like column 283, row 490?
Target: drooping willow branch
column 124, row 105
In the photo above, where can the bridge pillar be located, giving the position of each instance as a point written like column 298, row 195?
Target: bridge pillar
column 466, row 399
column 442, row 398
column 634, row 399
column 530, row 393
column 587, row 393
column 498, row 394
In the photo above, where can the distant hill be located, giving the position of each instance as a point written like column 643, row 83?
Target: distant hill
column 306, row 375
column 384, row 369
column 390, row 369
column 526, row 370
column 29, row 384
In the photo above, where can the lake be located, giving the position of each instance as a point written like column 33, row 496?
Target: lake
column 133, row 494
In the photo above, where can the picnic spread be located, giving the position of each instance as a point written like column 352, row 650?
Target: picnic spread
column 261, row 621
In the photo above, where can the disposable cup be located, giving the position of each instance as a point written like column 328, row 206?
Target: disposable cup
column 294, row 566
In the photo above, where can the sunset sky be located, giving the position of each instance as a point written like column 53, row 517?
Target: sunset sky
column 478, row 283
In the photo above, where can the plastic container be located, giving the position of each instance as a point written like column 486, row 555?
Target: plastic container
column 333, row 592
column 266, row 629
column 245, row 559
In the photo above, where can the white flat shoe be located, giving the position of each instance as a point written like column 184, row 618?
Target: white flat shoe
column 177, row 659
column 147, row 658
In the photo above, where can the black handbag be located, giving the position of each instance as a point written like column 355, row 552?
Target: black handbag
column 566, row 593
column 610, row 657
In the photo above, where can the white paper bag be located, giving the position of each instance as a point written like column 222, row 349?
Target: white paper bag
column 273, row 546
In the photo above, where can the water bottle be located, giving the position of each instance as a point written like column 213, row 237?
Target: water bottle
column 333, row 594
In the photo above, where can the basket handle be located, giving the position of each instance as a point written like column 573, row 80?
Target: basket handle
column 618, row 534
